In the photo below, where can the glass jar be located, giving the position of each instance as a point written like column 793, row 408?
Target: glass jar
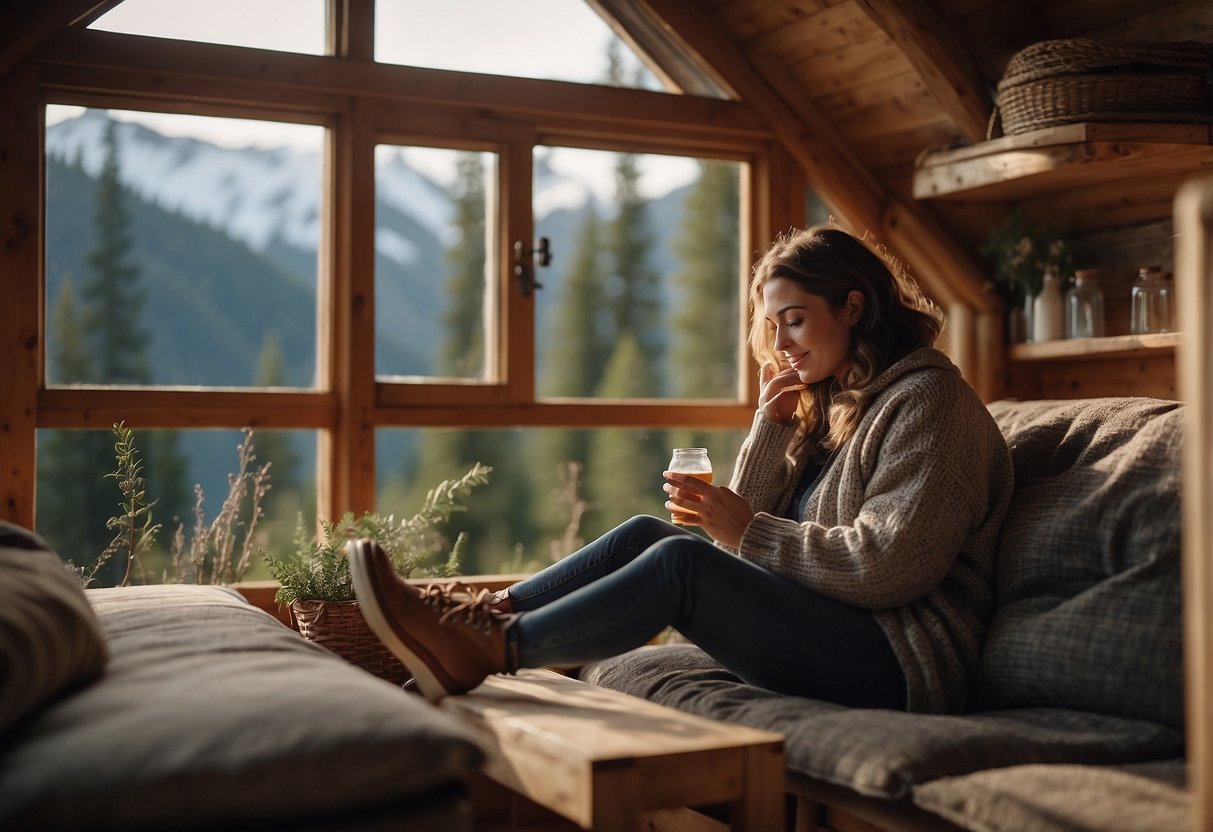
column 1151, row 303
column 1084, row 306
column 693, row 461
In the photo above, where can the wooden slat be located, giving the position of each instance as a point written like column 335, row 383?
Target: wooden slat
column 346, row 458
column 873, row 59
column 1059, row 158
column 1119, row 346
column 1147, row 374
column 100, row 407
column 834, row 174
column 830, row 30
column 229, row 68
column 20, row 310
column 1194, row 275
column 25, row 24
column 1118, row 203
column 747, row 18
column 569, row 413
column 940, row 60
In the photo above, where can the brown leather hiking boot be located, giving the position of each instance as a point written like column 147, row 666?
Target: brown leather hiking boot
column 448, row 635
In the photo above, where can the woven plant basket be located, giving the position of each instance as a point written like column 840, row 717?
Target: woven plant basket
column 340, row 627
column 1079, row 80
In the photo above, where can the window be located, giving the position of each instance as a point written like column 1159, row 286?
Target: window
column 435, row 244
column 334, row 265
column 561, row 40
column 551, row 489
column 283, row 25
column 643, row 299
column 186, row 475
column 180, row 250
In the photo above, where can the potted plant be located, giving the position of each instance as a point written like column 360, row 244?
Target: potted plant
column 1022, row 250
column 315, row 577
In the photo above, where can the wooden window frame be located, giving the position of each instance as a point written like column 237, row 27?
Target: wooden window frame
column 361, row 103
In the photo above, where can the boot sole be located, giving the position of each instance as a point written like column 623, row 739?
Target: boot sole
column 410, row 654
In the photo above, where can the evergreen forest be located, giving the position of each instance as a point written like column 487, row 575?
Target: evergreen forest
column 626, row 319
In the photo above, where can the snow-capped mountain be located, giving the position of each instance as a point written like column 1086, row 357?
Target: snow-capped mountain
column 257, row 195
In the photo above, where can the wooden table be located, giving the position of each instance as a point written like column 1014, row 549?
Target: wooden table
column 606, row 761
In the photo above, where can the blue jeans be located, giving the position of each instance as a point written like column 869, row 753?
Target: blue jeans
column 619, row 591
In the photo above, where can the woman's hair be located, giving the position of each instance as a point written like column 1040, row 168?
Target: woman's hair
column 896, row 320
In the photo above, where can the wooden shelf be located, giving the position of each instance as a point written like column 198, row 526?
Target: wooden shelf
column 1079, row 349
column 1064, row 158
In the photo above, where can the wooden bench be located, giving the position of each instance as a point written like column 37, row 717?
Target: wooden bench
column 608, row 761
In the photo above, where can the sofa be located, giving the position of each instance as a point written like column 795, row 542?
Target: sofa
column 1075, row 720
column 184, row 707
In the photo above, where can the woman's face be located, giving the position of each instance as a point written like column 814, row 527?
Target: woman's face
column 810, row 337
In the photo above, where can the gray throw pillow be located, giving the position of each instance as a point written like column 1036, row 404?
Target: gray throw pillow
column 1089, row 609
column 50, row 639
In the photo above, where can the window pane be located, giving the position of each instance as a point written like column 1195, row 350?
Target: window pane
column 75, row 498
column 283, row 25
column 551, row 489
column 435, row 232
column 559, row 40
column 641, row 298
column 181, row 249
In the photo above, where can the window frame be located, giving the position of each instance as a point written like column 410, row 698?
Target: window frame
column 362, row 104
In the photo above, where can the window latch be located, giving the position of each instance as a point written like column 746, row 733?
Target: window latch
column 525, row 261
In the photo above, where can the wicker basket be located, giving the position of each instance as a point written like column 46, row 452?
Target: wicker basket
column 1067, row 81
column 340, row 627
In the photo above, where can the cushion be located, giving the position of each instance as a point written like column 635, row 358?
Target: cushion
column 881, row 753
column 1088, row 566
column 212, row 713
column 1131, row 798
column 50, row 639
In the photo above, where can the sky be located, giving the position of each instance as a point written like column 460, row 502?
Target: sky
column 560, row 39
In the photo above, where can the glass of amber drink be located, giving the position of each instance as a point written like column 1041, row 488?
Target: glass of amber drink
column 695, row 462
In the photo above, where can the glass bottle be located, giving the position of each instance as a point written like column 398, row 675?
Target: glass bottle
column 1150, row 304
column 693, row 461
column 1048, row 313
column 1084, row 306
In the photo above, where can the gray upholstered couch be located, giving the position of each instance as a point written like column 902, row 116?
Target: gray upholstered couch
column 1076, row 716
column 183, row 708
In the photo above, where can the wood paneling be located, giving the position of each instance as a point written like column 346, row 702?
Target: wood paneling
column 21, row 309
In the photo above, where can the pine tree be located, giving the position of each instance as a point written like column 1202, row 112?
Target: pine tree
column 107, row 331
column 462, row 354
column 275, row 446
column 113, row 294
column 705, row 319
column 73, row 498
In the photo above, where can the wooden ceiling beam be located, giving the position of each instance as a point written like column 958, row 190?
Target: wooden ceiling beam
column 849, row 188
column 940, row 59
column 24, row 24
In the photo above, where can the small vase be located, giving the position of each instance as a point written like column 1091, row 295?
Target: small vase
column 1048, row 310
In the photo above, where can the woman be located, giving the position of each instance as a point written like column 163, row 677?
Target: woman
column 853, row 550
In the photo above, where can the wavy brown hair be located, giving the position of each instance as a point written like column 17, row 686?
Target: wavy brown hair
column 897, row 319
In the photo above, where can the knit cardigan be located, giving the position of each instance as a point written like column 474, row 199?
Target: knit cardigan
column 904, row 522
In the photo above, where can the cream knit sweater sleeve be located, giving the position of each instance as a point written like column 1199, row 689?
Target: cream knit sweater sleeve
column 895, row 512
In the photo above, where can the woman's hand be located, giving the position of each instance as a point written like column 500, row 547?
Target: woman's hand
column 721, row 513
column 777, row 398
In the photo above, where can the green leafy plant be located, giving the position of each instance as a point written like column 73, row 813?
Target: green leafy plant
column 317, row 568
column 1022, row 249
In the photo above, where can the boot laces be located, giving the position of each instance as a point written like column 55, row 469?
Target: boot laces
column 459, row 603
